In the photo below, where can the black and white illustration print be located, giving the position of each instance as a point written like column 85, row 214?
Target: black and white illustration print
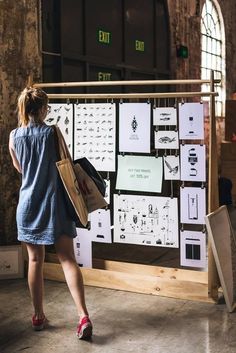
column 191, row 121
column 134, row 127
column 100, row 221
column 164, row 116
column 62, row 115
column 94, row 134
column 146, row 220
column 166, row 139
column 107, row 192
column 192, row 205
column 171, row 167
column 83, row 247
column 193, row 162
column 193, row 249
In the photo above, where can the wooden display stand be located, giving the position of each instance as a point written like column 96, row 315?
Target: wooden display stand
column 170, row 282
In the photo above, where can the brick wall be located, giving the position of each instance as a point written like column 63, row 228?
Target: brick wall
column 19, row 57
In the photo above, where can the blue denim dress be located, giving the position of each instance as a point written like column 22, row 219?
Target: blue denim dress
column 41, row 212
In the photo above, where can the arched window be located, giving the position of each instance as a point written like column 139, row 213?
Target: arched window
column 213, row 49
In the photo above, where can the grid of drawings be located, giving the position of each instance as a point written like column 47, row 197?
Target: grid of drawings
column 94, row 134
column 62, row 116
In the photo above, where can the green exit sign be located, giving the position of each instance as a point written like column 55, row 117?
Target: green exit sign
column 139, row 45
column 104, row 37
column 182, row 51
column 104, row 76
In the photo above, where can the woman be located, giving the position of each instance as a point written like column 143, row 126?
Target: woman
column 42, row 217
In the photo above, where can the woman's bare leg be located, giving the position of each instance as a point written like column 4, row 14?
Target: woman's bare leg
column 35, row 277
column 73, row 275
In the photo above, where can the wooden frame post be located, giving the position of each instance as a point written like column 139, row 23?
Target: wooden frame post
column 213, row 195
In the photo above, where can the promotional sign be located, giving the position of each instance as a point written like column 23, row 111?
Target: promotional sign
column 62, row 116
column 193, row 249
column 164, row 116
column 166, row 139
column 193, row 162
column 139, row 173
column 134, row 127
column 146, row 220
column 192, row 205
column 171, row 167
column 191, row 121
column 94, row 133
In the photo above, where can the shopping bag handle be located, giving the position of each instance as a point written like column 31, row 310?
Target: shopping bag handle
column 61, row 144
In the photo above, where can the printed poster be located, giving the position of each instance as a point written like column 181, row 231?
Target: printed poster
column 193, row 249
column 146, row 220
column 164, row 116
column 107, row 191
column 100, row 221
column 62, row 116
column 192, row 205
column 83, row 248
column 166, row 139
column 134, row 127
column 193, row 162
column 171, row 167
column 94, row 134
column 191, row 121
column 139, row 173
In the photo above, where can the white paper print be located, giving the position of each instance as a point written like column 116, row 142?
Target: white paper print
column 146, row 220
column 192, row 205
column 62, row 115
column 171, row 167
column 134, row 127
column 164, row 116
column 100, row 221
column 83, row 247
column 193, row 162
column 139, row 173
column 107, row 192
column 166, row 139
column 193, row 249
column 191, row 121
column 95, row 127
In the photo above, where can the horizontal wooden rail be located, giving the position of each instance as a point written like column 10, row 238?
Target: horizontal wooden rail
column 133, row 282
column 124, row 83
column 129, row 95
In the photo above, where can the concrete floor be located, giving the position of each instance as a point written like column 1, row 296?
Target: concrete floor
column 123, row 322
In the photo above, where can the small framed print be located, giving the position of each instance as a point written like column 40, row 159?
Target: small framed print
column 134, row 127
column 191, row 121
column 166, row 139
column 61, row 114
column 11, row 262
column 193, row 162
column 164, row 116
column 192, row 205
column 83, row 248
column 171, row 167
column 193, row 249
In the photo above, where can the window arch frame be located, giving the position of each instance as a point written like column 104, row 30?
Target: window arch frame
column 218, row 56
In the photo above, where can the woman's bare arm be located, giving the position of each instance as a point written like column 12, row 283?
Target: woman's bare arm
column 13, row 155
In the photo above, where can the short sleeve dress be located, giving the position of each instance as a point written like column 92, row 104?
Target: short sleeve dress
column 41, row 212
